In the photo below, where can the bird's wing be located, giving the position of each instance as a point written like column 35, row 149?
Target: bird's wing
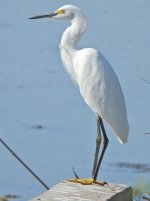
column 101, row 90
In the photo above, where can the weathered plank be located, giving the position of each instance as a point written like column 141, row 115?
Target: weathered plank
column 68, row 191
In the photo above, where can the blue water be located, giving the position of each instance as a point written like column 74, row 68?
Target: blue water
column 35, row 90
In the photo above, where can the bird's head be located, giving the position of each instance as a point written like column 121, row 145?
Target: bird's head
column 67, row 12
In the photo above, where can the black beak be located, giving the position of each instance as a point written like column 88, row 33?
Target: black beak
column 48, row 15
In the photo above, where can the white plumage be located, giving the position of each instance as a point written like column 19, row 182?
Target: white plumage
column 97, row 81
column 92, row 73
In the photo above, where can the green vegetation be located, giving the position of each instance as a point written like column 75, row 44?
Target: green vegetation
column 141, row 191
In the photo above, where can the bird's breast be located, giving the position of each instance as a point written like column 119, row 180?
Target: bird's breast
column 67, row 60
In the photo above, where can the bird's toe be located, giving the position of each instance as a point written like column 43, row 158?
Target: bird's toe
column 88, row 181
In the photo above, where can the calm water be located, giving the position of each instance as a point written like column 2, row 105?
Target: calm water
column 35, row 90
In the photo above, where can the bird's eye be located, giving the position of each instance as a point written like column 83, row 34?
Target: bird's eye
column 60, row 11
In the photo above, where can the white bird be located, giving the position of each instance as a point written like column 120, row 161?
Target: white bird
column 96, row 80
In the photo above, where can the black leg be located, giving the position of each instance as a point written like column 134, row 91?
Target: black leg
column 105, row 144
column 98, row 142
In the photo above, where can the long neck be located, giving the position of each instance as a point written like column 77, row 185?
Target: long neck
column 73, row 33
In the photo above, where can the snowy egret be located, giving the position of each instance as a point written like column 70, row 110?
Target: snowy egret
column 96, row 80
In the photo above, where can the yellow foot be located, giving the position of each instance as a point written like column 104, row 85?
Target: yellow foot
column 88, row 181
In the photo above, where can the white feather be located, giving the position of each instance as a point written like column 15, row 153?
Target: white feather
column 96, row 79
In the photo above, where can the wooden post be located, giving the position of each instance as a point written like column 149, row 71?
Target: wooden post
column 68, row 191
